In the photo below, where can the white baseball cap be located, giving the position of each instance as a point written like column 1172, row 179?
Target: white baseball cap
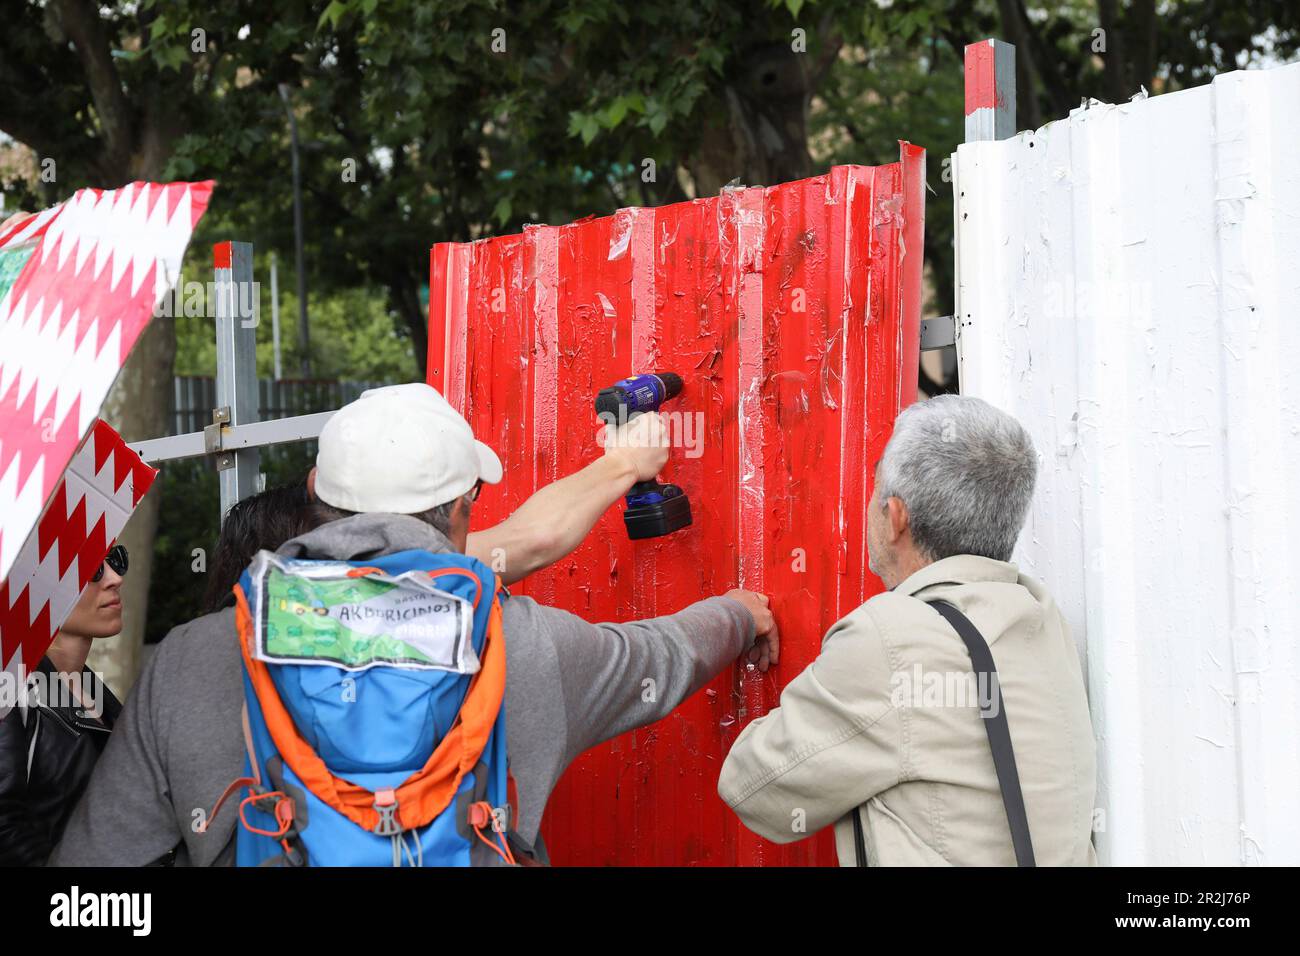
column 400, row 449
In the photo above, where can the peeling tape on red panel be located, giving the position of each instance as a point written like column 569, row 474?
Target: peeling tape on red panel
column 792, row 313
column 90, row 273
column 88, row 510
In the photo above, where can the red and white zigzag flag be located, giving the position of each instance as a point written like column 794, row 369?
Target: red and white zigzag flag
column 78, row 284
column 96, row 267
column 100, row 489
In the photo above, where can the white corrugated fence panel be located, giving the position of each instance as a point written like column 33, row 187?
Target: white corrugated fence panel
column 1128, row 286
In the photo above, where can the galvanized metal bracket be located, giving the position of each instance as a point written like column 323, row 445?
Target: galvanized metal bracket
column 938, row 333
column 212, row 434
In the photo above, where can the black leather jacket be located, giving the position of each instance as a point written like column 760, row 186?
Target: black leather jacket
column 47, row 751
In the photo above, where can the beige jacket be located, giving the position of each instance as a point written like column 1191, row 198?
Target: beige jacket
column 887, row 718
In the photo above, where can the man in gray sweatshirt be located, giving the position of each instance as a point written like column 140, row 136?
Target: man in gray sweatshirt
column 397, row 470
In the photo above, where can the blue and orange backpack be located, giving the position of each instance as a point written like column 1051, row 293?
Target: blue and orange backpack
column 373, row 716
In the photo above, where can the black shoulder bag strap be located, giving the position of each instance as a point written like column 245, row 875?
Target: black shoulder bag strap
column 999, row 734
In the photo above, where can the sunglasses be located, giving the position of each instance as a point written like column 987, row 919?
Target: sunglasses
column 476, row 491
column 115, row 559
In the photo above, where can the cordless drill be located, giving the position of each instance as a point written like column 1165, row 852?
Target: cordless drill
column 653, row 509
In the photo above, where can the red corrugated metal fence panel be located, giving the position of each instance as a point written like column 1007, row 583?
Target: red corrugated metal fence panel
column 792, row 313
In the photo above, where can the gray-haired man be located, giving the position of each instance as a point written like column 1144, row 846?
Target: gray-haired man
column 881, row 735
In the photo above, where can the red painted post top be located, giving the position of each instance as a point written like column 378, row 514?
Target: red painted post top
column 221, row 255
column 981, row 77
column 990, row 90
column 792, row 314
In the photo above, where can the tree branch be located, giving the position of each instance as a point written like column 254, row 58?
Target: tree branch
column 80, row 21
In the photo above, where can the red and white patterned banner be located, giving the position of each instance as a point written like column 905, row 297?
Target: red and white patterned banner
column 100, row 489
column 96, row 267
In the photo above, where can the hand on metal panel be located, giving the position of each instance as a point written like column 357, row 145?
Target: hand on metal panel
column 766, row 649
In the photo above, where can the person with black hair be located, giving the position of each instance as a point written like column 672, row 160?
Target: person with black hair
column 260, row 523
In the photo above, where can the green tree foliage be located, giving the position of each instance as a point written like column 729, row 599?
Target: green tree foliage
column 422, row 122
column 354, row 338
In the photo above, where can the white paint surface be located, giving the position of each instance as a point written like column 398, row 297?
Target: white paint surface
column 1129, row 287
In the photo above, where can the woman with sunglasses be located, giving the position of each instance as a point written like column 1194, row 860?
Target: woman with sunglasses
column 50, row 742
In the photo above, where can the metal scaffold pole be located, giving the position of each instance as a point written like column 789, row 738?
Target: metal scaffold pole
column 235, row 434
column 237, row 315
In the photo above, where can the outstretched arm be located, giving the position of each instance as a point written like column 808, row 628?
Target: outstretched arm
column 557, row 517
column 616, row 677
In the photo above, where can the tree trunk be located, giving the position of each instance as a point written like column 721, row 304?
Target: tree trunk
column 1029, row 114
column 764, row 140
column 137, row 408
column 404, row 299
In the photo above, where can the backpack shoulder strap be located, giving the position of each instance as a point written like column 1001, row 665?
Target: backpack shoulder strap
column 995, row 725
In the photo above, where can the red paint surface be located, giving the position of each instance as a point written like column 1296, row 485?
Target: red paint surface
column 221, row 255
column 797, row 407
column 981, row 78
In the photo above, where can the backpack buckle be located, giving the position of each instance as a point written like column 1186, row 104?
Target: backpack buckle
column 482, row 814
column 386, row 805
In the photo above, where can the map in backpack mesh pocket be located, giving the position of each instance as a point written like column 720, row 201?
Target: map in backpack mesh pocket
column 313, row 613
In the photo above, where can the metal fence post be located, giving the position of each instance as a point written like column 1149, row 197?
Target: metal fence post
column 275, row 315
column 990, row 115
column 237, row 314
column 990, row 90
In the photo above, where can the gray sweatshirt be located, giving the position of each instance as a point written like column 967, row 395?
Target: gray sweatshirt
column 569, row 686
